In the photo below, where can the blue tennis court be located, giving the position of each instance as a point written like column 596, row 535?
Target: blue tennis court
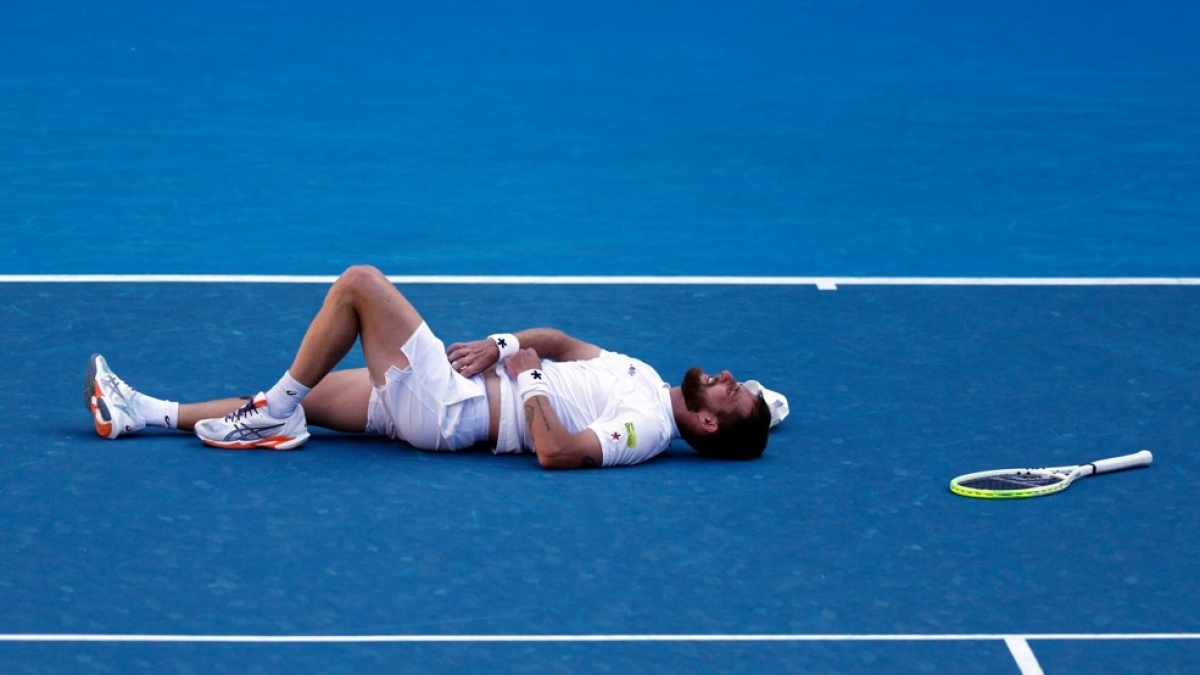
column 956, row 237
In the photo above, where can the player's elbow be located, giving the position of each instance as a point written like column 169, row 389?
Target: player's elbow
column 548, row 461
column 555, row 459
column 568, row 455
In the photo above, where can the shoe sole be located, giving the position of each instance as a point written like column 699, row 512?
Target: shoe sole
column 93, row 400
column 272, row 443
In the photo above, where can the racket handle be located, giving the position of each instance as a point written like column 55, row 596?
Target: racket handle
column 1143, row 458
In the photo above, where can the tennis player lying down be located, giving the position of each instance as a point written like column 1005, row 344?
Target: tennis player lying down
column 573, row 403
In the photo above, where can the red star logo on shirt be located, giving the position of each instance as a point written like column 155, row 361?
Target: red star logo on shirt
column 616, row 436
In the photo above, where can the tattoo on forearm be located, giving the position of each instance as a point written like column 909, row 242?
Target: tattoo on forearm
column 529, row 420
column 532, row 406
column 535, row 408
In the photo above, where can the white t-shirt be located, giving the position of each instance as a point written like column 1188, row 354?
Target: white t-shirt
column 621, row 399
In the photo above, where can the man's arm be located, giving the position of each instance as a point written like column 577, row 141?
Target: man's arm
column 556, row 447
column 472, row 358
column 551, row 343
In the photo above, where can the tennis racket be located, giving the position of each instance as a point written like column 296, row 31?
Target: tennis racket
column 1017, row 483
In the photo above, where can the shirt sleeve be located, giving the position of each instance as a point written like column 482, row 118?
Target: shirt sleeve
column 630, row 435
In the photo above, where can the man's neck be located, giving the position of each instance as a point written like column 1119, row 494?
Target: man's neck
column 678, row 407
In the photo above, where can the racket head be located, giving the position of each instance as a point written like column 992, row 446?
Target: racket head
column 1014, row 483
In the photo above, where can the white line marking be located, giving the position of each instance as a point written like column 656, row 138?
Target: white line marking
column 310, row 639
column 1024, row 657
column 822, row 283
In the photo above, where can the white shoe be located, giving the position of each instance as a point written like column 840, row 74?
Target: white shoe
column 251, row 427
column 109, row 400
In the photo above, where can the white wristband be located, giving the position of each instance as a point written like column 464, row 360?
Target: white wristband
column 507, row 343
column 532, row 383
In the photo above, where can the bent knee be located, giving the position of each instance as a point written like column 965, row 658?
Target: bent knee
column 361, row 277
column 359, row 273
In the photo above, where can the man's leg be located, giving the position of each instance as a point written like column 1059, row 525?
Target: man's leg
column 118, row 409
column 362, row 305
column 338, row 402
column 190, row 413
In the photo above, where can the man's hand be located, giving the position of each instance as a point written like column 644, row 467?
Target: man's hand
column 472, row 358
column 556, row 447
column 525, row 359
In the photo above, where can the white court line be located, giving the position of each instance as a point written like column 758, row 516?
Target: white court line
column 335, row 639
column 822, row 283
column 1023, row 655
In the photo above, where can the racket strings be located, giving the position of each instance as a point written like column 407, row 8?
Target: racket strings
column 1012, row 481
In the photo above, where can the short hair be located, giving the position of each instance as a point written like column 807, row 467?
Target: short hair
column 736, row 438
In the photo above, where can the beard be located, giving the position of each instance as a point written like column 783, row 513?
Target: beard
column 693, row 387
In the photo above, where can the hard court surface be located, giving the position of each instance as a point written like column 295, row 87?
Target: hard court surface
column 957, row 237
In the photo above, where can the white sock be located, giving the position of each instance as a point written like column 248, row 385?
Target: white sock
column 156, row 412
column 285, row 396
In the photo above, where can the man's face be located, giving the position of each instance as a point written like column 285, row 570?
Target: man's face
column 720, row 394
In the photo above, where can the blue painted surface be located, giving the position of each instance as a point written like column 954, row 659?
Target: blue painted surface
column 663, row 138
column 775, row 138
column 844, row 527
column 815, row 659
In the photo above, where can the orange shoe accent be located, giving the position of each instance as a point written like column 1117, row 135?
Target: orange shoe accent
column 270, row 443
column 103, row 428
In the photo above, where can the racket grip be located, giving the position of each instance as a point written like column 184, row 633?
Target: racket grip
column 1143, row 458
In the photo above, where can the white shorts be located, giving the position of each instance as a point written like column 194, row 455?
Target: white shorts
column 428, row 405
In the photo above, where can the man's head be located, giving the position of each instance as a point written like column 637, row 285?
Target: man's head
column 731, row 422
